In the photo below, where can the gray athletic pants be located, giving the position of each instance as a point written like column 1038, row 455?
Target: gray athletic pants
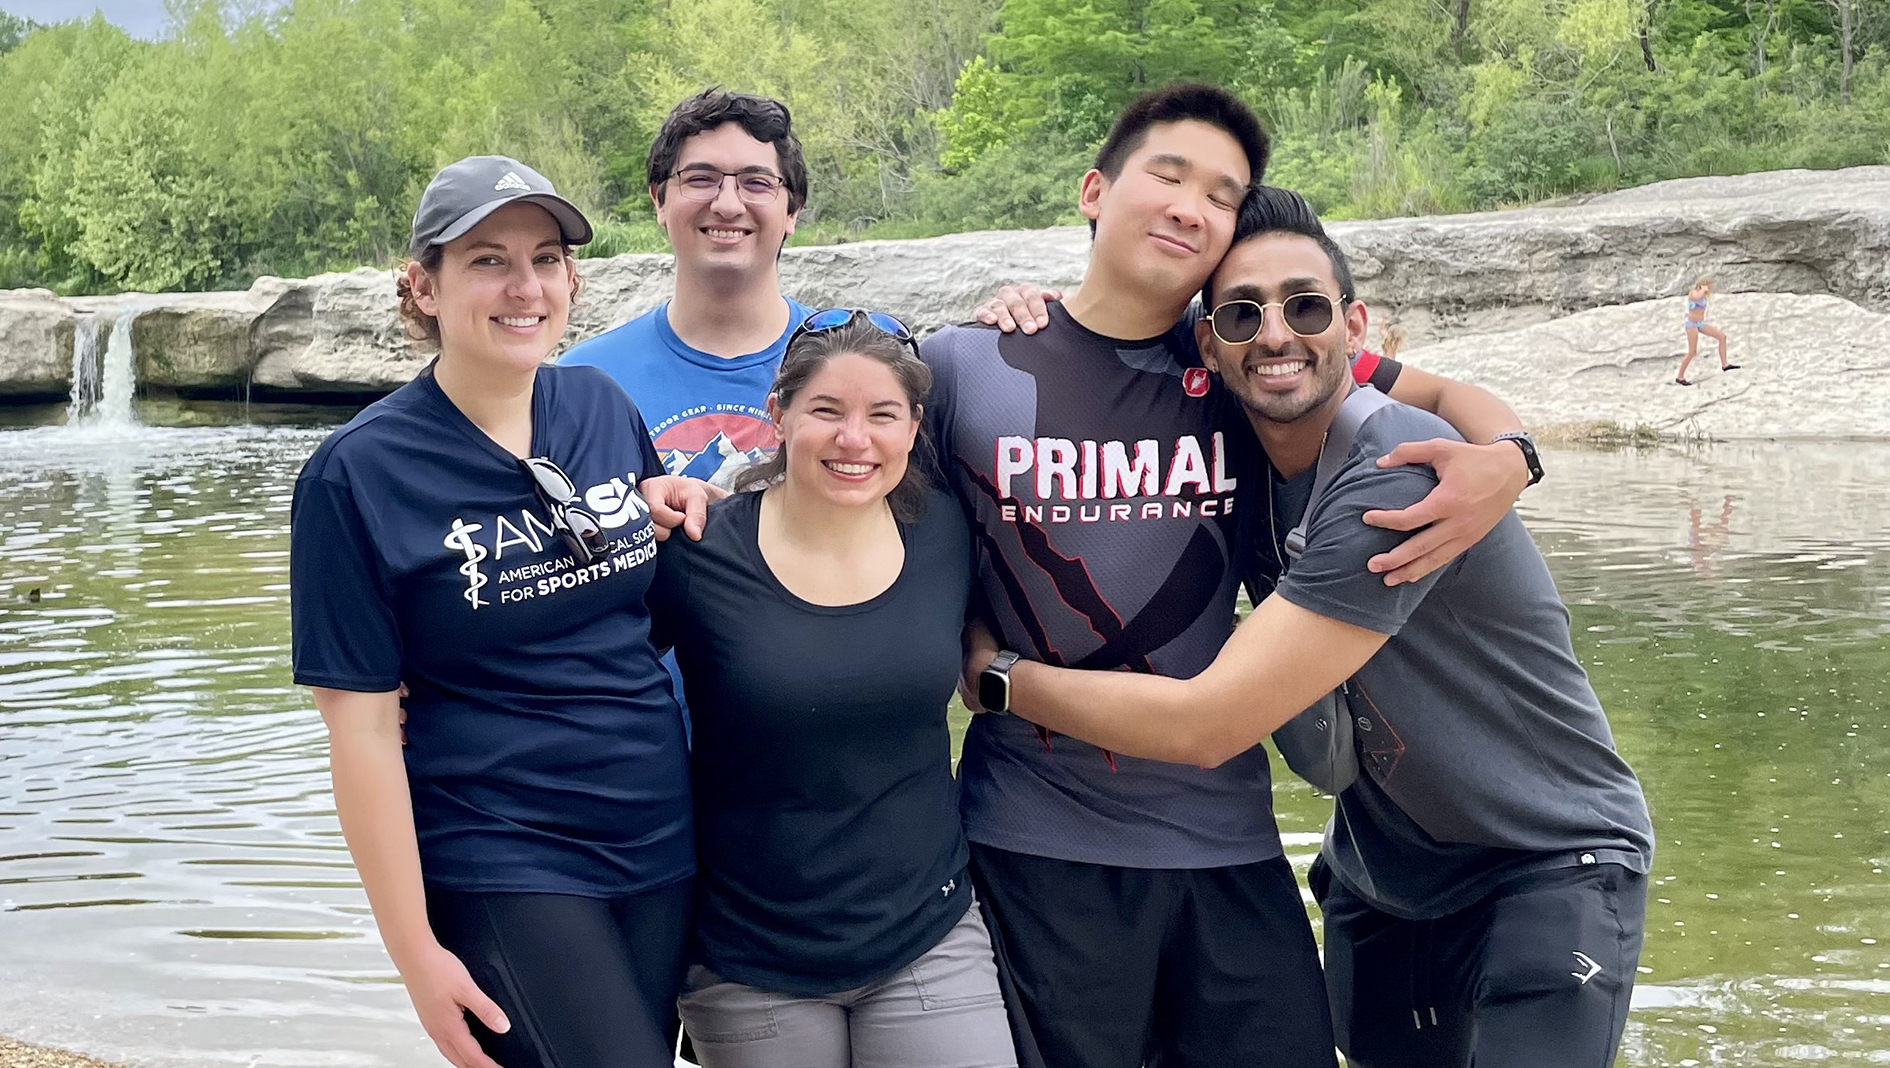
column 941, row 1011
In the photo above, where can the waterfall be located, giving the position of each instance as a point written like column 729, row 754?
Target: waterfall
column 85, row 369
column 104, row 383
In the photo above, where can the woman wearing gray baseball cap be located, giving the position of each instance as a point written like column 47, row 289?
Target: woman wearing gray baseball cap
column 483, row 535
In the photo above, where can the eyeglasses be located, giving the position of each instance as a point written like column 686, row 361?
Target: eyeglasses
column 834, row 318
column 1239, row 321
column 580, row 529
column 705, row 184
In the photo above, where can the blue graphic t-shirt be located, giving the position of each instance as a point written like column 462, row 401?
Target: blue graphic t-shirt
column 545, row 753
column 708, row 415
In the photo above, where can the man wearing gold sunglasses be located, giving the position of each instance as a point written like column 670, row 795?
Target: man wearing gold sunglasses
column 1484, row 877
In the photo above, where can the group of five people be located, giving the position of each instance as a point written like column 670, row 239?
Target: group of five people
column 1053, row 514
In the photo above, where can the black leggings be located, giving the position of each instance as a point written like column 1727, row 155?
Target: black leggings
column 586, row 982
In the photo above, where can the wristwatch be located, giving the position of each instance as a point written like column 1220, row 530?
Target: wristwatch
column 1527, row 443
column 994, row 683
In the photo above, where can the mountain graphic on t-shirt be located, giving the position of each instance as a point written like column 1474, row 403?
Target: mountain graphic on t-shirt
column 718, row 462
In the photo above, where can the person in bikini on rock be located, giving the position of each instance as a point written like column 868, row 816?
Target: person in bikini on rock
column 1695, row 324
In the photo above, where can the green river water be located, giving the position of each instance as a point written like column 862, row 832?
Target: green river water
column 174, row 889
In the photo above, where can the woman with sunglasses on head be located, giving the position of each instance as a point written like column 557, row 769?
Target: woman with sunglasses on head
column 817, row 625
column 483, row 535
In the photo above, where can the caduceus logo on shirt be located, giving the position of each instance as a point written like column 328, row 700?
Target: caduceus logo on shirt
column 461, row 539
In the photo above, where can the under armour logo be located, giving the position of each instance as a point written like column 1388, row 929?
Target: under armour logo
column 1587, row 962
column 511, row 181
column 950, row 885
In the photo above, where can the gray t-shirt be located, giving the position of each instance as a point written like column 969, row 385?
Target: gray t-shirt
column 1483, row 750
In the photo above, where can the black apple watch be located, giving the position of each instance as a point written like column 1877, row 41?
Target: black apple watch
column 1527, row 443
column 994, row 683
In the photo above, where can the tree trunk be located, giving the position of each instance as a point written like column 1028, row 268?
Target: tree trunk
column 1647, row 29
column 1763, row 35
column 1459, row 26
column 1846, row 31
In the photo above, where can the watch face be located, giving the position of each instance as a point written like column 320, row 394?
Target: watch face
column 994, row 691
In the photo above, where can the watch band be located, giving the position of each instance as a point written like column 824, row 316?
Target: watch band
column 1527, row 443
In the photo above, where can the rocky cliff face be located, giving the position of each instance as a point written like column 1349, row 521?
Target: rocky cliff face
column 1446, row 278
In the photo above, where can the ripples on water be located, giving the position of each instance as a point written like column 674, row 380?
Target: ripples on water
column 173, row 885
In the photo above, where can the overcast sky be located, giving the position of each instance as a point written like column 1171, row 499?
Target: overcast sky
column 141, row 18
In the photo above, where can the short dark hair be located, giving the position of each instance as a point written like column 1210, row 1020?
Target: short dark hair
column 1272, row 210
column 807, row 354
column 765, row 118
column 1184, row 102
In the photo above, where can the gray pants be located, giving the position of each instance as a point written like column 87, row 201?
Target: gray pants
column 941, row 1011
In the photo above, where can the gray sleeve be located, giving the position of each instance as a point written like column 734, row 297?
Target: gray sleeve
column 1331, row 578
column 940, row 352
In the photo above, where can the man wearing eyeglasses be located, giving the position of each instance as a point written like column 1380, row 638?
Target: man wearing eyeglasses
column 728, row 180
column 1484, row 877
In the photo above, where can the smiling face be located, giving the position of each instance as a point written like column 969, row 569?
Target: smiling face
column 1167, row 218
column 727, row 233
column 502, row 293
column 1279, row 375
column 847, row 432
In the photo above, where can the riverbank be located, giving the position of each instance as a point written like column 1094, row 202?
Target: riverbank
column 20, row 1055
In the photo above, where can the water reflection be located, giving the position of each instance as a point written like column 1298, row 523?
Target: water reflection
column 173, row 886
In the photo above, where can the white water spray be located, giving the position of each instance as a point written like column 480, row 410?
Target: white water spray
column 85, row 369
column 105, row 383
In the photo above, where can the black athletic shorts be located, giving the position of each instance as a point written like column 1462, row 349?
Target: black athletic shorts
column 1106, row 967
column 1537, row 975
column 586, row 982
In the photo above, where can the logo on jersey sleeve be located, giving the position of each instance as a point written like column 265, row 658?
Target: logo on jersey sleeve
column 1194, row 382
column 713, row 442
column 525, row 536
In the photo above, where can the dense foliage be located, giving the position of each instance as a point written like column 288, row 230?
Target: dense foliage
column 258, row 138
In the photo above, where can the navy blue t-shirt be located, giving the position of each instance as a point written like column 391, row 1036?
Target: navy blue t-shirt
column 545, row 752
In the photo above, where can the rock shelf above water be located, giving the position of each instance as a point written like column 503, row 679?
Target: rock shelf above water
column 1489, row 288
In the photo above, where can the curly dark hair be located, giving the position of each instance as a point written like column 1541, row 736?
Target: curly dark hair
column 765, row 119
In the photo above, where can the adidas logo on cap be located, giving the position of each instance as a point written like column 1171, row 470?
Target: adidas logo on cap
column 511, row 181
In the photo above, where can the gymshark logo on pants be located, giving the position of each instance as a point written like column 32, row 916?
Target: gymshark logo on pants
column 511, row 181
column 1587, row 962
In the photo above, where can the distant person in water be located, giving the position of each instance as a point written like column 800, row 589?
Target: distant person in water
column 1695, row 325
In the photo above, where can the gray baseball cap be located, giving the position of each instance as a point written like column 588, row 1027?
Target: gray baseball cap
column 462, row 195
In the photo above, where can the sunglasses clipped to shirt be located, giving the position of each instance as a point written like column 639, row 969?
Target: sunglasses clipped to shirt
column 1236, row 322
column 834, row 318
column 579, row 528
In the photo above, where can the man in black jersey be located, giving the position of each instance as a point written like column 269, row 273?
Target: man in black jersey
column 1142, row 911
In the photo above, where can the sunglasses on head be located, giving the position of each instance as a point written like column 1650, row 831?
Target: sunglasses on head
column 579, row 528
column 1236, row 322
column 834, row 318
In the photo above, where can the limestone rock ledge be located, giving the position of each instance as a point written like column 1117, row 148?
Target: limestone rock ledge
column 1809, row 367
column 1443, row 277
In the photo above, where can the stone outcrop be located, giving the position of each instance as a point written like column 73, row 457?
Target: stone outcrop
column 36, row 331
column 1442, row 277
column 334, row 333
column 1809, row 366
column 1780, row 232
